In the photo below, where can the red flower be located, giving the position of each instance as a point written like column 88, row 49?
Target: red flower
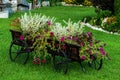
column 62, row 39
column 51, row 34
column 21, row 38
column 43, row 61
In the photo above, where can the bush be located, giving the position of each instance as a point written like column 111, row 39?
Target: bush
column 102, row 13
column 117, row 12
column 104, row 4
column 69, row 1
column 109, row 24
column 87, row 3
column 74, row 1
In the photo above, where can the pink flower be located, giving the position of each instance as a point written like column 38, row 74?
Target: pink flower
column 21, row 38
column 75, row 38
column 69, row 37
column 48, row 23
column 102, row 51
column 89, row 33
column 90, row 44
column 82, row 44
column 90, row 52
column 62, row 39
column 83, row 57
column 51, row 34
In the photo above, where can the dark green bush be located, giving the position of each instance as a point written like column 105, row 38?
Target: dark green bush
column 117, row 11
column 104, row 4
column 102, row 13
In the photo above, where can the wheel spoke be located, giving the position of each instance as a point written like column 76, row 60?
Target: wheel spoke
column 18, row 54
column 60, row 62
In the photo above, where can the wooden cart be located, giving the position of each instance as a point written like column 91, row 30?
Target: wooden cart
column 61, row 58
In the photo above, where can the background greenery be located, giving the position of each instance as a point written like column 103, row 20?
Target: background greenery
column 15, row 71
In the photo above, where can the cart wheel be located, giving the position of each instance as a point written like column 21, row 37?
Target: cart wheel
column 18, row 53
column 97, row 64
column 60, row 62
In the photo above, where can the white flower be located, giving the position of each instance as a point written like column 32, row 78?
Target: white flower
column 71, row 29
column 32, row 23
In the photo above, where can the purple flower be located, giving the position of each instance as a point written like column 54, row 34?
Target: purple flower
column 21, row 38
column 102, row 51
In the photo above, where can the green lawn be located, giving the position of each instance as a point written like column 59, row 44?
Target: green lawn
column 15, row 71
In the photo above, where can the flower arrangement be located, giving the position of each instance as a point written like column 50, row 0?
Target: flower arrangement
column 39, row 29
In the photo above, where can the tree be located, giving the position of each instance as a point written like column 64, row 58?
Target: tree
column 104, row 4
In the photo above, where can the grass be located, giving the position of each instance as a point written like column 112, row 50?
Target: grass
column 15, row 71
